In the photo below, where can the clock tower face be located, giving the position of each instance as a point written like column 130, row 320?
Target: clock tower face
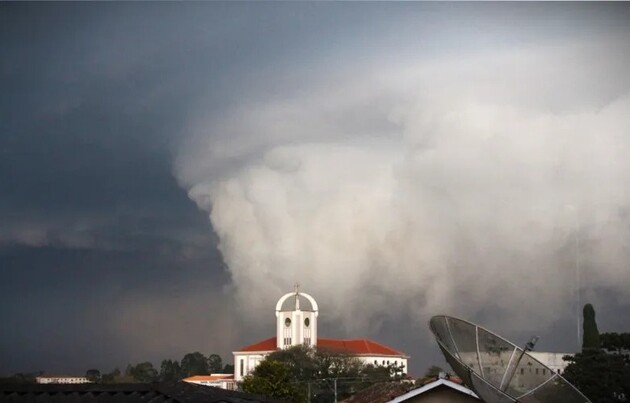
column 287, row 322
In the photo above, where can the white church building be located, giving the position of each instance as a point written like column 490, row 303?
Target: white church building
column 296, row 324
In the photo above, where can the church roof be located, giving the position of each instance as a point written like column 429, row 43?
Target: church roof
column 347, row 346
column 264, row 345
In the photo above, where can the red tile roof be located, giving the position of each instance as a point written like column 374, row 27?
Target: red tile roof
column 351, row 346
column 209, row 377
column 264, row 345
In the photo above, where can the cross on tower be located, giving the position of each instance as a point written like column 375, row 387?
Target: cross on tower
column 297, row 296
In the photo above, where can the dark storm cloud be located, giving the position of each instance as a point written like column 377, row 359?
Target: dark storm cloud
column 87, row 131
column 91, row 214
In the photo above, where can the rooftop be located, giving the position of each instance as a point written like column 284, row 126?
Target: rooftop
column 181, row 392
column 348, row 346
column 211, row 377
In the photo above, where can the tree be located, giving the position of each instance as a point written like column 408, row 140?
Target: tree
column 600, row 376
column 590, row 332
column 617, row 343
column 215, row 363
column 300, row 361
column 142, row 372
column 273, row 379
column 433, row 371
column 321, row 373
column 170, row 371
column 228, row 369
column 431, row 374
column 602, row 370
column 194, row 364
column 21, row 378
column 93, row 375
column 111, row 377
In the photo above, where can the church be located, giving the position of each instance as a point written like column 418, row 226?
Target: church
column 296, row 324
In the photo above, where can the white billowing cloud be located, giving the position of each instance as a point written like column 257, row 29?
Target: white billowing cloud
column 452, row 186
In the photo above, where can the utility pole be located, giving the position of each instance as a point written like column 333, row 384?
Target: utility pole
column 335, row 390
column 309, row 391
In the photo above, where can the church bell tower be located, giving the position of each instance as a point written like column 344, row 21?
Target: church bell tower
column 295, row 326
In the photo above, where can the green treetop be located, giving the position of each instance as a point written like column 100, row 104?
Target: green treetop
column 591, row 334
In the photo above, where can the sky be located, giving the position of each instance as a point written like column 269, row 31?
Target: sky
column 169, row 170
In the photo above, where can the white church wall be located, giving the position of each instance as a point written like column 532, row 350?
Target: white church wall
column 294, row 327
column 245, row 363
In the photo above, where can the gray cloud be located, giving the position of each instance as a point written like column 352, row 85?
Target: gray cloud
column 367, row 150
column 456, row 185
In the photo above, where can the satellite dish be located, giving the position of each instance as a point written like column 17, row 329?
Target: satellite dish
column 497, row 370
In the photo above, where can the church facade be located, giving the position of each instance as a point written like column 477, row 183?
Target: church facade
column 296, row 324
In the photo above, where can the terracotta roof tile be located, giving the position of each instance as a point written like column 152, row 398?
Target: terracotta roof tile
column 349, row 346
column 380, row 392
column 264, row 345
column 357, row 346
column 208, row 377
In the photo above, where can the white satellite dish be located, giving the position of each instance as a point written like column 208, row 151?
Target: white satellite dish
column 497, row 370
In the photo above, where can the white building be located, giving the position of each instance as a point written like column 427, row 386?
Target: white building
column 223, row 381
column 297, row 325
column 61, row 379
column 553, row 361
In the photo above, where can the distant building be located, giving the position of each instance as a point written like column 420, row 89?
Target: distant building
column 533, row 368
column 296, row 326
column 223, row 381
column 63, row 379
column 553, row 361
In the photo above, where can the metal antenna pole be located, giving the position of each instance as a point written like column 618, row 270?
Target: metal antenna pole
column 528, row 347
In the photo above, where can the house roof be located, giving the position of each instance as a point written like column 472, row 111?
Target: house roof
column 213, row 377
column 433, row 385
column 380, row 392
column 181, row 392
column 349, row 346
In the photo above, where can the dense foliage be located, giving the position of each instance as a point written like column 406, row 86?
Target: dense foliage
column 144, row 372
column 170, row 370
column 590, row 340
column 601, row 376
column 300, row 372
column 602, row 370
